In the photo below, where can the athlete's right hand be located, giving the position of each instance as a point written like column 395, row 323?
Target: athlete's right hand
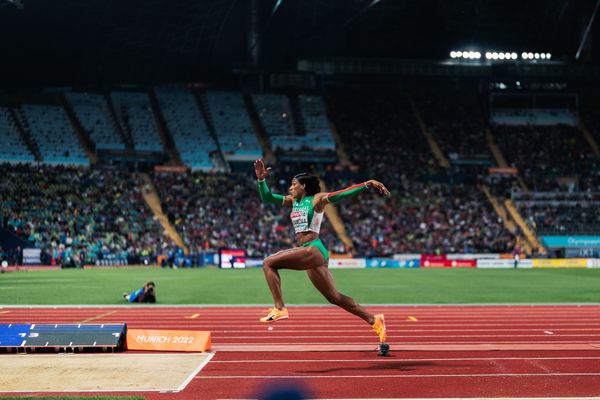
column 260, row 169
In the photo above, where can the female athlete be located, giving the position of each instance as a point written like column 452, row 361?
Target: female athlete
column 308, row 203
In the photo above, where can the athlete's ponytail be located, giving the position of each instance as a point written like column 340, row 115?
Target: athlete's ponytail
column 310, row 182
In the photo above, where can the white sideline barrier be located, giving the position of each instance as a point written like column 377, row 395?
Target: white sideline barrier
column 495, row 263
column 347, row 263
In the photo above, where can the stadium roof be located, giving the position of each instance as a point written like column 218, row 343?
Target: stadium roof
column 66, row 41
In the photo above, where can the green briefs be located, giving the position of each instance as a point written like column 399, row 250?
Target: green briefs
column 319, row 245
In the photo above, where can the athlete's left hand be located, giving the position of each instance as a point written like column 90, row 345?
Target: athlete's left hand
column 372, row 183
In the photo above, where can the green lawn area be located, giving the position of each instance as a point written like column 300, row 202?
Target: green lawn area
column 369, row 286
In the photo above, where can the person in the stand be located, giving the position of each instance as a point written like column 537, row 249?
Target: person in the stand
column 308, row 204
column 146, row 294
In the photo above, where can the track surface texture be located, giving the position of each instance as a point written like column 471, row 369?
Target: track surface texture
column 508, row 351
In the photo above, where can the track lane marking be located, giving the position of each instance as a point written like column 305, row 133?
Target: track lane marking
column 97, row 317
column 389, row 376
column 412, row 359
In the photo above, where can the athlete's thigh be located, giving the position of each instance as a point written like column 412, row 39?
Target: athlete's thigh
column 322, row 279
column 298, row 258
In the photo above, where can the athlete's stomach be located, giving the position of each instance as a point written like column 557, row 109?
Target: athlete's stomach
column 305, row 237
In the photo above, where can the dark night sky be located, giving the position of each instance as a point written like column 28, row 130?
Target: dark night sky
column 95, row 41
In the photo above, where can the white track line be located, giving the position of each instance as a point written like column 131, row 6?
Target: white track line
column 403, row 335
column 407, row 376
column 195, row 372
column 384, row 360
column 467, row 398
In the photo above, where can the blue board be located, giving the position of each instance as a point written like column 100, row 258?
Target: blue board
column 62, row 335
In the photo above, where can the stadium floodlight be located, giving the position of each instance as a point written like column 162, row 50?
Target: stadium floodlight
column 513, row 56
column 536, row 55
column 459, row 54
column 452, row 54
column 477, row 55
column 494, row 56
column 524, row 55
column 548, row 55
column 488, row 55
column 530, row 55
column 543, row 56
column 501, row 56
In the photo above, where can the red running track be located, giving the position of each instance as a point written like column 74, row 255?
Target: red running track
column 436, row 351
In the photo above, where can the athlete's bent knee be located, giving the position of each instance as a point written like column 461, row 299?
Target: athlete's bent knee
column 268, row 262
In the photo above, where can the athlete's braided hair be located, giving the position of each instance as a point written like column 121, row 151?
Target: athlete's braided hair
column 311, row 182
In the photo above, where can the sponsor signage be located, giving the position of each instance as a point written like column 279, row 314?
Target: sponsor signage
column 475, row 256
column 559, row 263
column 387, row 263
column 525, row 264
column 444, row 263
column 232, row 258
column 347, row 263
column 167, row 340
column 571, row 241
column 172, row 169
column 407, row 256
column 503, row 171
column 593, row 263
column 582, row 252
column 498, row 263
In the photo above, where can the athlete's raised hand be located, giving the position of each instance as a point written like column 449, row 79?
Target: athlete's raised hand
column 260, row 169
column 372, row 183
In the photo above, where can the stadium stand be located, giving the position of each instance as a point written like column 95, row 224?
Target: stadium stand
column 186, row 124
column 233, row 127
column 53, row 133
column 213, row 211
column 275, row 113
column 550, row 158
column 430, row 210
column 453, row 119
column 560, row 213
column 318, row 133
column 135, row 115
column 14, row 149
column 79, row 212
column 93, row 114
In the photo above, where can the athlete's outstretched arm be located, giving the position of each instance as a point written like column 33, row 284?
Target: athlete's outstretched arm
column 263, row 190
column 351, row 191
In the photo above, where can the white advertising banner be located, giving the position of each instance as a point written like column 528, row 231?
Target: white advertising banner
column 476, row 256
column 347, row 263
column 495, row 263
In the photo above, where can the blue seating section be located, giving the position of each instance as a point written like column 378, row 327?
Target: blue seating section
column 92, row 112
column 318, row 132
column 275, row 114
column 188, row 127
column 12, row 148
column 135, row 115
column 54, row 135
column 233, row 127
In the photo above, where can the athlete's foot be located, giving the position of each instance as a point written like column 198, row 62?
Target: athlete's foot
column 275, row 314
column 379, row 327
